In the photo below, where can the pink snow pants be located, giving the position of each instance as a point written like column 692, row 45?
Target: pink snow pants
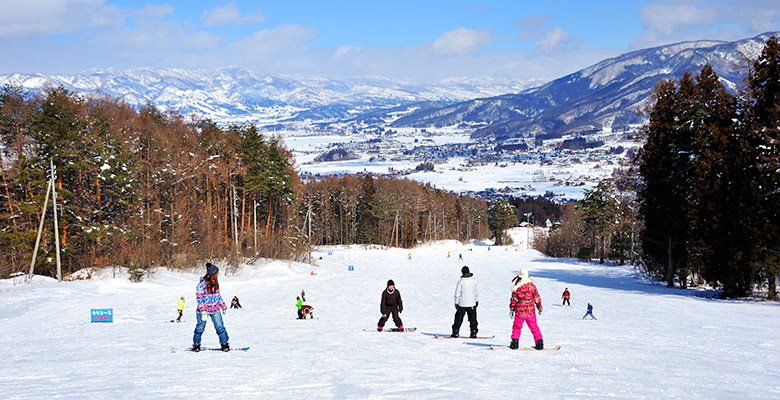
column 531, row 321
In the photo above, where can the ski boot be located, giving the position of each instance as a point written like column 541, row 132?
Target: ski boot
column 380, row 328
column 514, row 345
column 225, row 346
column 473, row 334
column 401, row 328
column 196, row 348
column 454, row 334
column 540, row 344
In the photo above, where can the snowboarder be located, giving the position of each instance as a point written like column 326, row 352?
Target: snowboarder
column 299, row 305
column 466, row 302
column 303, row 295
column 589, row 313
column 524, row 297
column 210, row 304
column 391, row 305
column 181, row 308
column 409, row 257
column 234, row 303
column 448, row 254
column 565, row 296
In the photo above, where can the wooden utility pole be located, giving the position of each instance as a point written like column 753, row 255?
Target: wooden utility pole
column 50, row 188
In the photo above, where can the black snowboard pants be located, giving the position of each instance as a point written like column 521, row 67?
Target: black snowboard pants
column 386, row 315
column 472, row 314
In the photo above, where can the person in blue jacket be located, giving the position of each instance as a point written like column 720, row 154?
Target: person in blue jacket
column 590, row 312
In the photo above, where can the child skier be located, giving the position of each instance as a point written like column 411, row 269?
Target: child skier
column 391, row 304
column 589, row 313
column 181, row 308
column 524, row 297
column 210, row 304
column 303, row 295
column 234, row 303
column 565, row 296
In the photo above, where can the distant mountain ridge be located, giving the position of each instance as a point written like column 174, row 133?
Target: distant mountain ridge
column 603, row 97
column 236, row 94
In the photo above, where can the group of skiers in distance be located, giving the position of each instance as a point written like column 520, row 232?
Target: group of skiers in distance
column 523, row 305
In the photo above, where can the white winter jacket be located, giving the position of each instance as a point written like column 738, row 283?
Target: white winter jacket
column 467, row 291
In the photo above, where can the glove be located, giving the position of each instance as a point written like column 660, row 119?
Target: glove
column 511, row 314
column 224, row 312
column 477, row 305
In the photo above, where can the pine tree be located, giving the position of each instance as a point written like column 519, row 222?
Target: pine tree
column 502, row 215
column 765, row 125
column 663, row 197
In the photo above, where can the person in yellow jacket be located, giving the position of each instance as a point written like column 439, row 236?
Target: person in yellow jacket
column 181, row 308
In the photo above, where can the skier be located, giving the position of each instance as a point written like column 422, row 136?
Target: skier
column 181, row 308
column 303, row 295
column 466, row 302
column 448, row 254
column 409, row 257
column 460, row 256
column 210, row 304
column 589, row 313
column 234, row 303
column 299, row 304
column 565, row 296
column 524, row 297
column 391, row 304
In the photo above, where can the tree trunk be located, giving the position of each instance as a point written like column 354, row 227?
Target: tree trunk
column 670, row 266
column 772, row 287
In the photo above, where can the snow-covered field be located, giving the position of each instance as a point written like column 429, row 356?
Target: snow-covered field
column 649, row 342
column 533, row 178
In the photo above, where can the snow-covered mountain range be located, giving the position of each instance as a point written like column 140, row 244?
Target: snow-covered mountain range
column 236, row 95
column 604, row 97
column 601, row 98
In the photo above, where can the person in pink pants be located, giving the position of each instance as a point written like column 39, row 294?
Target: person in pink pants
column 525, row 300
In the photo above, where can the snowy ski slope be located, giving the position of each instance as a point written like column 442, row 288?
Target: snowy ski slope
column 649, row 342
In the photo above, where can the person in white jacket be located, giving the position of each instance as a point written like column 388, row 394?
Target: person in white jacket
column 466, row 302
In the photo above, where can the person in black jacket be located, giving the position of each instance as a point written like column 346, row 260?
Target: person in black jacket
column 391, row 304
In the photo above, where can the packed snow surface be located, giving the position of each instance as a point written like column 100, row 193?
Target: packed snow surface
column 649, row 342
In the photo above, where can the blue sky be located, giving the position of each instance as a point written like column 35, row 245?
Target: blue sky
column 413, row 40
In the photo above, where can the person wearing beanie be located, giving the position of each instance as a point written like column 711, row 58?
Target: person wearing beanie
column 524, row 297
column 391, row 304
column 210, row 304
column 565, row 296
column 466, row 302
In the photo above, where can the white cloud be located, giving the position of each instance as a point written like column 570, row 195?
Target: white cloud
column 461, row 41
column 230, row 16
column 29, row 19
column 532, row 26
column 667, row 22
column 668, row 18
column 284, row 40
column 557, row 39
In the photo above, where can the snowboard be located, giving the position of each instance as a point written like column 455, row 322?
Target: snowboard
column 462, row 337
column 391, row 330
column 526, row 348
column 215, row 349
column 173, row 320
